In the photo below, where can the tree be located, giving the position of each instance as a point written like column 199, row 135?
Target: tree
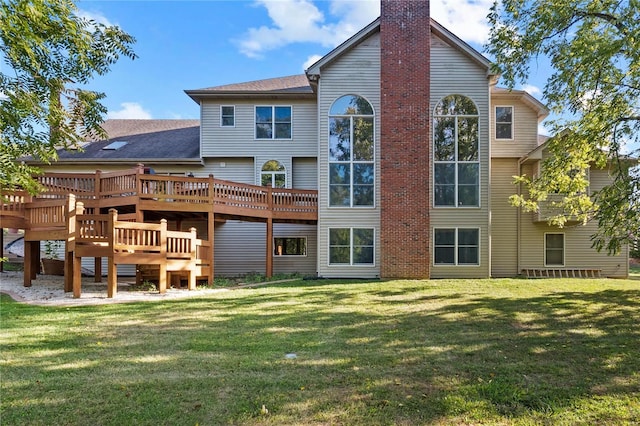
column 51, row 53
column 594, row 49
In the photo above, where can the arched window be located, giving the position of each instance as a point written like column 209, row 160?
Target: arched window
column 455, row 151
column 273, row 174
column 351, row 153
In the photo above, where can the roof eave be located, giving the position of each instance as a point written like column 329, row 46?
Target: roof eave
column 199, row 95
column 118, row 161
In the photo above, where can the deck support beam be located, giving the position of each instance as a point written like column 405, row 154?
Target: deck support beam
column 269, row 272
column 112, row 277
column 210, row 234
column 77, row 276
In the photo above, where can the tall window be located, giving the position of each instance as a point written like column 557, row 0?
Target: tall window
column 351, row 246
column 457, row 246
column 504, row 122
column 227, row 116
column 351, row 155
column 273, row 122
column 554, row 249
column 456, row 161
column 273, row 174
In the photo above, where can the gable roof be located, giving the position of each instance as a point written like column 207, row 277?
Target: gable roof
column 313, row 72
column 147, row 141
column 293, row 85
column 523, row 96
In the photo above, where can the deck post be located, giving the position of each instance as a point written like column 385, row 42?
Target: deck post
column 97, row 186
column 162, row 279
column 269, row 272
column 211, row 225
column 69, row 244
column 112, row 279
column 112, row 268
column 28, row 262
column 97, row 269
column 194, row 259
column 77, row 276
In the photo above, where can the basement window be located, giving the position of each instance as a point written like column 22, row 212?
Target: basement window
column 114, row 145
column 290, row 246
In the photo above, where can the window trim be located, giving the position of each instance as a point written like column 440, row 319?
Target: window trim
column 275, row 247
column 222, row 116
column 564, row 250
column 456, row 247
column 496, row 122
column 350, row 264
column 273, row 123
column 456, row 162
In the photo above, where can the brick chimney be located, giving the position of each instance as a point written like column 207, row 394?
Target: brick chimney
column 405, row 138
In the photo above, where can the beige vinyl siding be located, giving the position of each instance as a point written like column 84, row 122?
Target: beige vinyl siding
column 240, row 248
column 578, row 251
column 180, row 170
column 452, row 72
column 525, row 128
column 504, row 218
column 239, row 141
column 305, row 173
column 356, row 72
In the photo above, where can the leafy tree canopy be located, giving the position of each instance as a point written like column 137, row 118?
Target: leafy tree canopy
column 49, row 53
column 594, row 49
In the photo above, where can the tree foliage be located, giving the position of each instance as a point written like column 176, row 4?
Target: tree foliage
column 594, row 49
column 49, row 54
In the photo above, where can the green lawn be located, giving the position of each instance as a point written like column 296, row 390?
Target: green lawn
column 366, row 353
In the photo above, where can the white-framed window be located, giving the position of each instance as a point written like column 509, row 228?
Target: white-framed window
column 273, row 174
column 554, row 249
column 351, row 153
column 227, row 116
column 456, row 246
column 456, row 153
column 273, row 122
column 504, row 122
column 290, row 246
column 351, row 246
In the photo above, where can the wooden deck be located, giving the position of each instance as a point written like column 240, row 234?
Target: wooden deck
column 123, row 216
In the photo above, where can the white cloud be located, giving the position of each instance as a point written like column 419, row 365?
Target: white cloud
column 310, row 61
column 94, row 16
column 465, row 18
column 295, row 21
column 532, row 90
column 131, row 110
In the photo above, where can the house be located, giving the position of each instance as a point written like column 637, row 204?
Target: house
column 407, row 139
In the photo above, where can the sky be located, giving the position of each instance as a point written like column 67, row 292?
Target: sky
column 184, row 45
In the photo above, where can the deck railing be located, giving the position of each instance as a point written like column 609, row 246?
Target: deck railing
column 14, row 203
column 191, row 190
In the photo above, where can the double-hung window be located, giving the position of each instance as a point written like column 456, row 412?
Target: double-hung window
column 504, row 122
column 456, row 246
column 456, row 158
column 351, row 246
column 351, row 153
column 227, row 116
column 273, row 122
column 553, row 249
